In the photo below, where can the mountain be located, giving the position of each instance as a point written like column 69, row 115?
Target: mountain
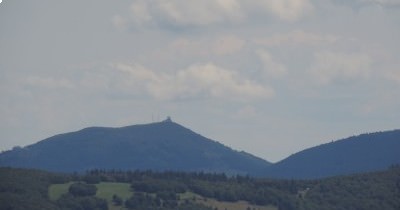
column 169, row 146
column 363, row 153
column 158, row 146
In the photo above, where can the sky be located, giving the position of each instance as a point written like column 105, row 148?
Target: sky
column 270, row 77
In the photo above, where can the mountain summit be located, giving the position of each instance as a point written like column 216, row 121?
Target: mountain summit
column 158, row 146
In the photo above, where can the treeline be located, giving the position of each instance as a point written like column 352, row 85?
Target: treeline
column 281, row 193
column 161, row 201
column 22, row 189
column 81, row 196
column 379, row 190
column 28, row 189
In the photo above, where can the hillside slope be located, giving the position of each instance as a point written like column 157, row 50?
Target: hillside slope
column 157, row 146
column 31, row 189
column 363, row 153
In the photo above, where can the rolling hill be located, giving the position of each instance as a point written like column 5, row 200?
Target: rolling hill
column 363, row 153
column 158, row 146
column 169, row 146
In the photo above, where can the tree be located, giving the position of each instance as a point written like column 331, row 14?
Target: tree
column 92, row 179
column 68, row 201
column 81, row 189
column 117, row 200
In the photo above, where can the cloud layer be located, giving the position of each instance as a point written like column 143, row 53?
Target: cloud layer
column 196, row 82
column 176, row 13
column 331, row 66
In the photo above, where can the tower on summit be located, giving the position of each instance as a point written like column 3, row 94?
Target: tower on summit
column 168, row 119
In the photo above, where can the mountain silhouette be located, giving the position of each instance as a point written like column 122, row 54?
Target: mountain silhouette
column 157, row 146
column 363, row 153
column 169, row 146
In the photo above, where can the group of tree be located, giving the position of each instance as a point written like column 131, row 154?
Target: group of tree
column 210, row 185
column 25, row 189
column 379, row 190
column 22, row 189
column 81, row 196
column 28, row 189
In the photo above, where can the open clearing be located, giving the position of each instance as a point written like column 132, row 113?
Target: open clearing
column 106, row 190
column 56, row 190
column 221, row 205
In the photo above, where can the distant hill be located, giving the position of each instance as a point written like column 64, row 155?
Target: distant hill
column 169, row 146
column 158, row 146
column 363, row 153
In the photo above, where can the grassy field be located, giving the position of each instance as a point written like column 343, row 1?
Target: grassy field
column 240, row 205
column 106, row 190
column 56, row 190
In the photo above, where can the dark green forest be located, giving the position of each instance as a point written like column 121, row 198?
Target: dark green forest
column 156, row 146
column 169, row 146
column 28, row 189
column 356, row 154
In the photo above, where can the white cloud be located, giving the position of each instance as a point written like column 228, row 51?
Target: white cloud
column 138, row 72
column 120, row 22
column 228, row 45
column 140, row 12
column 288, row 10
column 220, row 82
column 297, row 37
column 187, row 13
column 331, row 66
column 185, row 48
column 393, row 73
column 197, row 81
column 219, row 46
column 179, row 13
column 272, row 69
column 384, row 2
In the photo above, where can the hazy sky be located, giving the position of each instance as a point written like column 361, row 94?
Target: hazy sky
column 271, row 77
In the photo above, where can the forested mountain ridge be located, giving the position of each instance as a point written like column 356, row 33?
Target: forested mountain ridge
column 169, row 146
column 356, row 154
column 157, row 146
